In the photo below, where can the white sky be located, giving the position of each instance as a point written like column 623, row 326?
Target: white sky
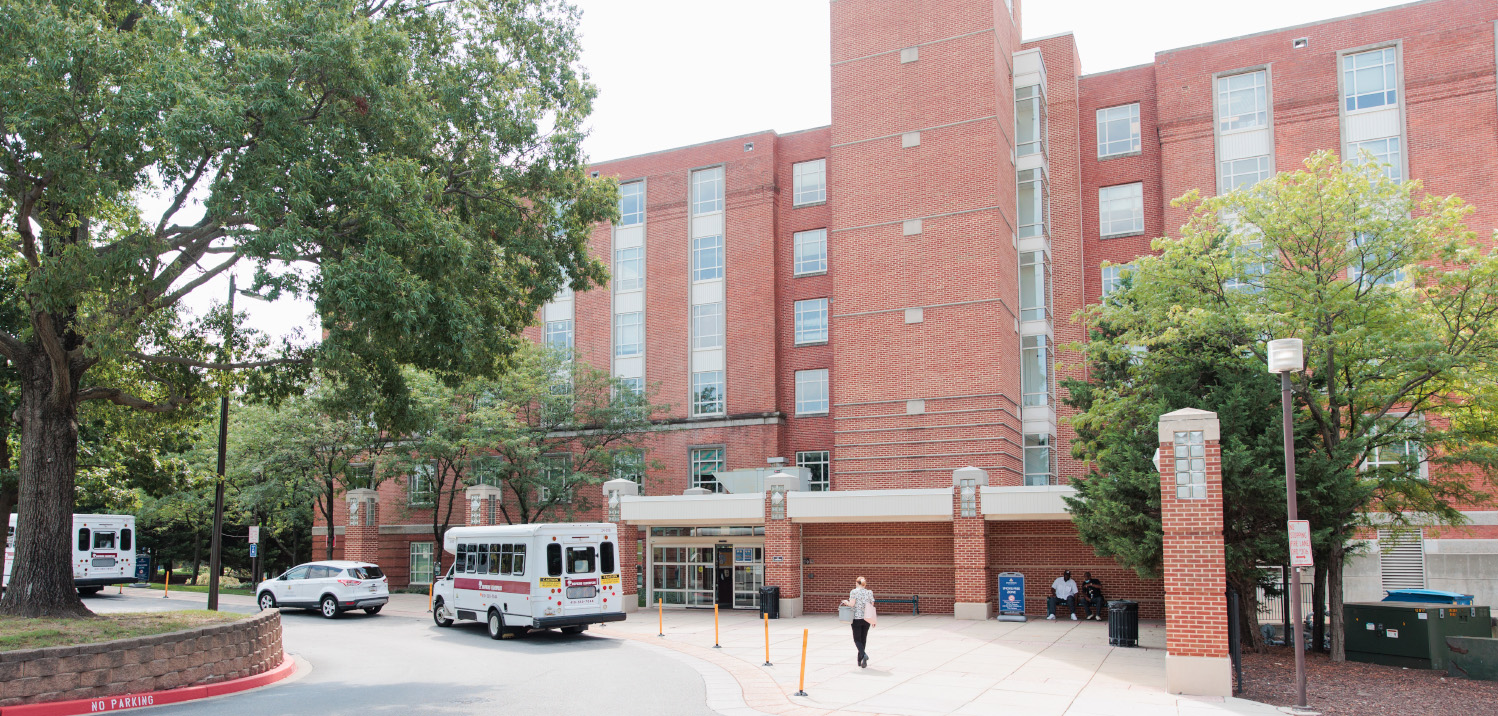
column 678, row 72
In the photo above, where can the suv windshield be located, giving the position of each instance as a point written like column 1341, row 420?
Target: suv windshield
column 365, row 572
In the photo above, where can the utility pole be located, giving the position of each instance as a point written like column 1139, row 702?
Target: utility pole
column 216, row 552
column 1287, row 355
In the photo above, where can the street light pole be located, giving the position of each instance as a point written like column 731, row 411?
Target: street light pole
column 1286, row 356
column 216, row 550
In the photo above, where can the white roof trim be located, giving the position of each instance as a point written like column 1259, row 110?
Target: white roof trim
column 693, row 509
column 871, row 506
column 1041, row 502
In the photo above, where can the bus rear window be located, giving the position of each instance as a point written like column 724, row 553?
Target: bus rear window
column 103, row 540
column 606, row 557
column 581, row 560
column 125, row 538
column 83, row 536
column 554, row 560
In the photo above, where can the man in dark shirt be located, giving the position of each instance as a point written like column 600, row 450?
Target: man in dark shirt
column 1092, row 597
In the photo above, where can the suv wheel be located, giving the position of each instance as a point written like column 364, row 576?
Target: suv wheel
column 574, row 629
column 496, row 625
column 437, row 614
column 267, row 601
column 329, row 607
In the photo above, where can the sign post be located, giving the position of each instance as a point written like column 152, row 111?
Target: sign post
column 1011, row 597
column 254, row 554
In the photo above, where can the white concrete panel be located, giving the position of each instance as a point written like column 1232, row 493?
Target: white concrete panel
column 910, row 54
column 1374, row 124
column 707, row 292
column 629, row 237
column 870, row 506
column 707, row 359
column 1035, row 328
column 1034, row 243
column 1012, row 502
column 912, row 227
column 709, row 225
column 693, row 509
column 632, row 367
column 910, row 139
column 1030, row 161
column 1027, row 62
column 915, row 315
column 557, row 310
column 629, row 302
column 1254, row 143
column 1039, row 419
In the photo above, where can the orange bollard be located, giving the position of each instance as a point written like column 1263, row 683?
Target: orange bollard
column 662, row 613
column 715, row 627
column 767, row 639
column 802, row 690
column 167, row 586
column 430, row 587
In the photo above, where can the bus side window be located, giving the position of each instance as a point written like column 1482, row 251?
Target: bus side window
column 554, row 559
column 506, row 557
column 471, row 564
column 483, row 560
column 494, row 554
column 125, row 535
column 606, row 557
column 518, row 568
column 462, row 555
column 83, row 540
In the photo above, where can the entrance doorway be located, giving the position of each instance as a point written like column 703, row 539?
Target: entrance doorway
column 724, row 582
column 705, row 566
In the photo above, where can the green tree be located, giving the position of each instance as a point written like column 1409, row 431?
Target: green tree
column 413, row 166
column 1396, row 302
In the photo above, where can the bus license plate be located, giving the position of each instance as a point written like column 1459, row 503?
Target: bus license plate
column 582, row 592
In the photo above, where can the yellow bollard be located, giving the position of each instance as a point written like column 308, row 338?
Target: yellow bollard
column 167, row 586
column 715, row 627
column 659, row 605
column 767, row 639
column 430, row 587
column 802, row 690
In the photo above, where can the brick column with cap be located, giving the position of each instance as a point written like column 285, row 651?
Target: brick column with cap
column 1196, row 615
column 361, row 537
column 483, row 502
column 973, row 588
column 615, row 493
column 782, row 543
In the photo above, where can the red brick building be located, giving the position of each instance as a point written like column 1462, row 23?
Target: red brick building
column 878, row 302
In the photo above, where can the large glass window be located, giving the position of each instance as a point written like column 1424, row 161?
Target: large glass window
column 1033, row 305
column 684, row 576
column 707, row 392
column 1383, row 152
column 811, row 391
column 1038, row 463
column 1121, row 209
column 1032, row 203
column 1370, row 79
column 1395, row 447
column 1029, row 120
column 1113, row 277
column 582, row 560
column 629, row 269
column 1243, row 101
column 632, row 203
column 707, row 325
column 811, row 321
column 811, row 252
column 421, row 563
column 629, row 465
column 559, row 334
column 1035, row 370
column 707, row 190
column 1118, row 130
column 419, row 485
column 556, row 470
column 707, row 258
column 810, row 182
column 819, row 464
column 1372, row 262
column 629, row 334
column 705, row 462
column 1243, row 173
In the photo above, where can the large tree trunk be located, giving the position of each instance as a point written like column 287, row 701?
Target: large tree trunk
column 197, row 555
column 1334, row 598
column 41, row 582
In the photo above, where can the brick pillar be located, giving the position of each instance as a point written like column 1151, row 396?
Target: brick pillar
column 783, row 543
column 480, row 499
column 974, row 589
column 361, row 538
column 1196, row 613
column 615, row 493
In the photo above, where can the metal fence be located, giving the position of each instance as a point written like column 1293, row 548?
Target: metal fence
column 1274, row 604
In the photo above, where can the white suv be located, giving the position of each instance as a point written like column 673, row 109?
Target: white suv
column 329, row 587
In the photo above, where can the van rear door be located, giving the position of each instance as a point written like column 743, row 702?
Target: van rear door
column 580, row 581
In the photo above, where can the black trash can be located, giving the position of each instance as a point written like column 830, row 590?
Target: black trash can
column 769, row 601
column 1123, row 623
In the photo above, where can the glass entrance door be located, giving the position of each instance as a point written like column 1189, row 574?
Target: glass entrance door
column 748, row 575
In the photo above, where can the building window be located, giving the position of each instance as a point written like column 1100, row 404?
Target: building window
column 1038, row 464
column 1032, row 203
column 705, row 462
column 810, row 182
column 707, row 258
column 1117, row 130
column 488, row 470
column 421, row 563
column 1369, row 79
column 632, row 203
column 707, row 392
column 1121, row 209
column 811, row 391
column 707, row 191
column 630, row 465
column 1243, row 173
column 1370, row 264
column 1383, row 152
column 1191, row 465
column 811, row 252
column 633, row 385
column 1395, row 448
column 419, row 486
column 707, row 326
column 819, row 464
column 1029, row 121
column 1033, row 305
column 559, row 335
column 1113, row 277
column 629, row 334
column 811, row 321
column 555, row 473
column 1242, row 101
column 1035, row 370
column 629, row 269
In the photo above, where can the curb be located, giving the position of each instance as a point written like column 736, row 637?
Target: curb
column 154, row 698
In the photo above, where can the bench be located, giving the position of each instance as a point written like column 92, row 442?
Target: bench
column 914, row 601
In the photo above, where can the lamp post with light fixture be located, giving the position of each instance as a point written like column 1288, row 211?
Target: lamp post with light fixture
column 1287, row 355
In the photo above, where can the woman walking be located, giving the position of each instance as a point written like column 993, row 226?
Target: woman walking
column 862, row 602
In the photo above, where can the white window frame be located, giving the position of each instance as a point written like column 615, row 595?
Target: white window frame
column 415, row 551
column 707, row 258
column 708, row 190
column 1391, row 160
column 1039, row 203
column 1223, row 94
column 1232, row 172
column 1113, row 277
column 1107, row 144
column 704, row 379
column 629, row 334
column 812, row 392
column 807, row 191
column 421, row 474
column 550, row 463
column 708, row 325
column 1112, row 201
column 1376, row 457
column 629, row 464
column 807, row 330
column 632, row 256
column 812, row 459
column 563, row 327
column 1043, row 445
column 632, row 203
column 805, row 263
column 702, row 457
column 1032, row 96
column 1034, row 300
column 1035, row 357
column 1388, row 96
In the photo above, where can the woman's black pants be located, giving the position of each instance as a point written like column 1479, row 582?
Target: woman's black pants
column 860, row 636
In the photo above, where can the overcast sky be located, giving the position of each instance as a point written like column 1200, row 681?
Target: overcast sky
column 678, row 72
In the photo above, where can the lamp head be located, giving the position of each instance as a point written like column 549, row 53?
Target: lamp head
column 1286, row 354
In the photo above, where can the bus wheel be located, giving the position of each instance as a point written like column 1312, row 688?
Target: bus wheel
column 496, row 625
column 437, row 614
column 89, row 591
column 574, row 629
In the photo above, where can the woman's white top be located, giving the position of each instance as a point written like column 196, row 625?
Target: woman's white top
column 860, row 598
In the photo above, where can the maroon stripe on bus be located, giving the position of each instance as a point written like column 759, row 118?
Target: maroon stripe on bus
column 508, row 586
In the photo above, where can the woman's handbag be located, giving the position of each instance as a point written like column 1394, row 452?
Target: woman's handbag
column 845, row 613
column 871, row 616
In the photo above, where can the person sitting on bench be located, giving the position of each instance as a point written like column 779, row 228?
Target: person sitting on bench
column 1092, row 597
column 1063, row 590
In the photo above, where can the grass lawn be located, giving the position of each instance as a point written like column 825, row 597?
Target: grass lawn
column 19, row 633
column 203, row 589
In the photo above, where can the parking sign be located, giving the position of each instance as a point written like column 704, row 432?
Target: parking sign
column 254, row 535
column 1300, row 544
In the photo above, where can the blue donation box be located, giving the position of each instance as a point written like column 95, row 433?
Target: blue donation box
column 142, row 568
column 1011, row 597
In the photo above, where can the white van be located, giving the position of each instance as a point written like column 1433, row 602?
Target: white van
column 537, row 576
column 103, row 551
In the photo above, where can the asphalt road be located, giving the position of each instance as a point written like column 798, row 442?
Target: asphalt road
column 391, row 664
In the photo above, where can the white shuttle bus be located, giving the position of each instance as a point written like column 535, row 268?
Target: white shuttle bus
column 103, row 551
column 538, row 576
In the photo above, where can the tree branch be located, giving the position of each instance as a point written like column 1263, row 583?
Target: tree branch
column 187, row 187
column 120, row 397
column 11, row 347
column 174, row 360
column 190, row 286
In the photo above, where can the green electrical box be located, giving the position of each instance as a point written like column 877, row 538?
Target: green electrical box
column 1411, row 634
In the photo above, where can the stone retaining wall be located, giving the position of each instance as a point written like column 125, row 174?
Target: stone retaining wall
column 190, row 657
